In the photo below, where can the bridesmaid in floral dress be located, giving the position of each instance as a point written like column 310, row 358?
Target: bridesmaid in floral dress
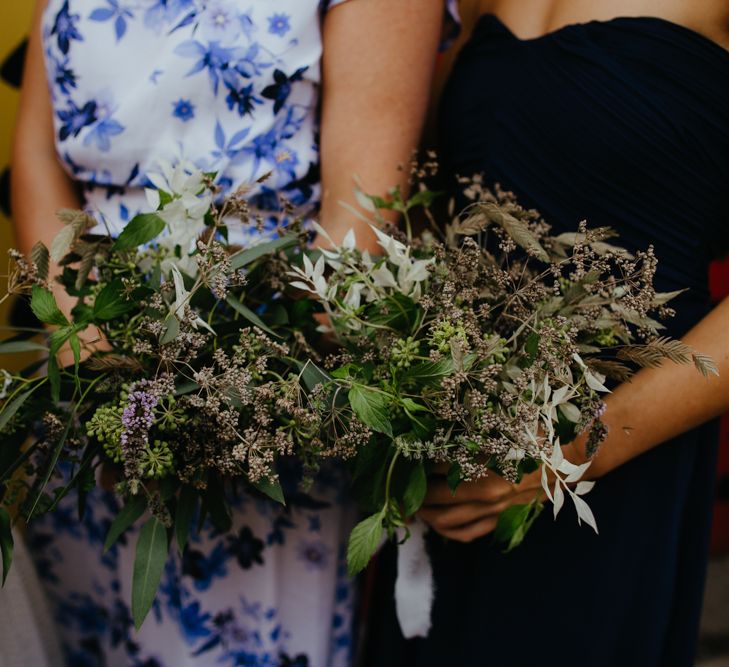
column 233, row 87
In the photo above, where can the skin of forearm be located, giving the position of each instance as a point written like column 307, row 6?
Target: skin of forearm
column 377, row 70
column 659, row 404
column 39, row 185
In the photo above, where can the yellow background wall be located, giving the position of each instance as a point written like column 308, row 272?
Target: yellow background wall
column 15, row 19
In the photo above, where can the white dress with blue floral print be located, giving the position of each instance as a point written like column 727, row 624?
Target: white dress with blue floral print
column 231, row 86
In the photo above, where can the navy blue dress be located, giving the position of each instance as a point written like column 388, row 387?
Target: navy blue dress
column 623, row 123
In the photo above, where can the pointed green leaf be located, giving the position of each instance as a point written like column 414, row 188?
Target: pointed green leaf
column 250, row 255
column 110, row 303
column 11, row 409
column 415, row 490
column 312, row 375
column 140, row 230
column 272, row 489
column 172, row 329
column 514, row 523
column 44, row 307
column 364, row 542
column 127, row 516
column 249, row 315
column 19, row 346
column 149, row 564
column 372, row 407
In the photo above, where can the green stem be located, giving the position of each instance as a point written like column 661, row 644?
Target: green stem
column 388, row 481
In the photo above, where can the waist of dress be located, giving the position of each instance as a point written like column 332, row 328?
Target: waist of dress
column 113, row 208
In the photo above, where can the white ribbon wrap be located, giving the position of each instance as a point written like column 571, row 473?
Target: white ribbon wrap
column 414, row 589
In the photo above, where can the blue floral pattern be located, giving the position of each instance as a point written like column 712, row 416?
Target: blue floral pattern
column 232, row 87
column 273, row 592
column 229, row 86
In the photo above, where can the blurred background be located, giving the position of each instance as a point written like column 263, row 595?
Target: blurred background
column 15, row 17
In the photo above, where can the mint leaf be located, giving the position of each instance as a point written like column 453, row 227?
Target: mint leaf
column 372, row 407
column 363, row 543
column 415, row 490
column 140, row 230
column 110, row 303
column 44, row 307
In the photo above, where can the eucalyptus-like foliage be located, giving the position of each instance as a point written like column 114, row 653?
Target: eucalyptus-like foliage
column 483, row 349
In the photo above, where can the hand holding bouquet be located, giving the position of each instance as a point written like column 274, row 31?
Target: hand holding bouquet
column 482, row 352
column 198, row 393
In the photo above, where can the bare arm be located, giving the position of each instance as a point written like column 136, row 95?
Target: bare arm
column 378, row 64
column 656, row 406
column 662, row 403
column 39, row 185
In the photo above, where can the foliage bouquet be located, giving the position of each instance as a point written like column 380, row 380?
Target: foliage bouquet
column 183, row 378
column 483, row 350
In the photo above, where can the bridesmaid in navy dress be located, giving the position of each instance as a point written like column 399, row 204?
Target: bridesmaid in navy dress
column 623, row 122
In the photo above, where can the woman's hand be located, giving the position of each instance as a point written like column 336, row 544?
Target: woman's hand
column 474, row 509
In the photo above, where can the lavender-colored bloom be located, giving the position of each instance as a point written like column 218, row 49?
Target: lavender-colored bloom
column 137, row 420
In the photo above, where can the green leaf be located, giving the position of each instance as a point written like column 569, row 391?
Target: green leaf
column 363, row 543
column 140, row 230
column 514, row 523
column 149, row 564
column 54, row 379
column 415, row 490
column 172, row 329
column 250, row 255
column 110, row 303
column 58, row 447
column 186, row 506
column 312, row 375
column 6, row 542
column 372, row 407
column 453, row 478
column 423, row 198
column 44, row 307
column 430, row 373
column 531, row 347
column 249, row 315
column 128, row 515
column 272, row 489
column 75, row 344
column 58, row 339
column 19, row 346
column 11, row 409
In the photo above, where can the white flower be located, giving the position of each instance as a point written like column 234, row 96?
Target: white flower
column 382, row 277
column 314, row 280
column 395, row 250
column 353, row 297
column 182, row 299
column 184, row 215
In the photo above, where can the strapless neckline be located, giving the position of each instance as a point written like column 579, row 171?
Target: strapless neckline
column 493, row 20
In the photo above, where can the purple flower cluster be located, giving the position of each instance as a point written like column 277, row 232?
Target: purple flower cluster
column 137, row 420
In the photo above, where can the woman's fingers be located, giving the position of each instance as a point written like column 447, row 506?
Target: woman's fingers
column 488, row 489
column 472, row 531
column 456, row 516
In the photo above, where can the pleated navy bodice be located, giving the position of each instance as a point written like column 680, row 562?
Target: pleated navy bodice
column 623, row 123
